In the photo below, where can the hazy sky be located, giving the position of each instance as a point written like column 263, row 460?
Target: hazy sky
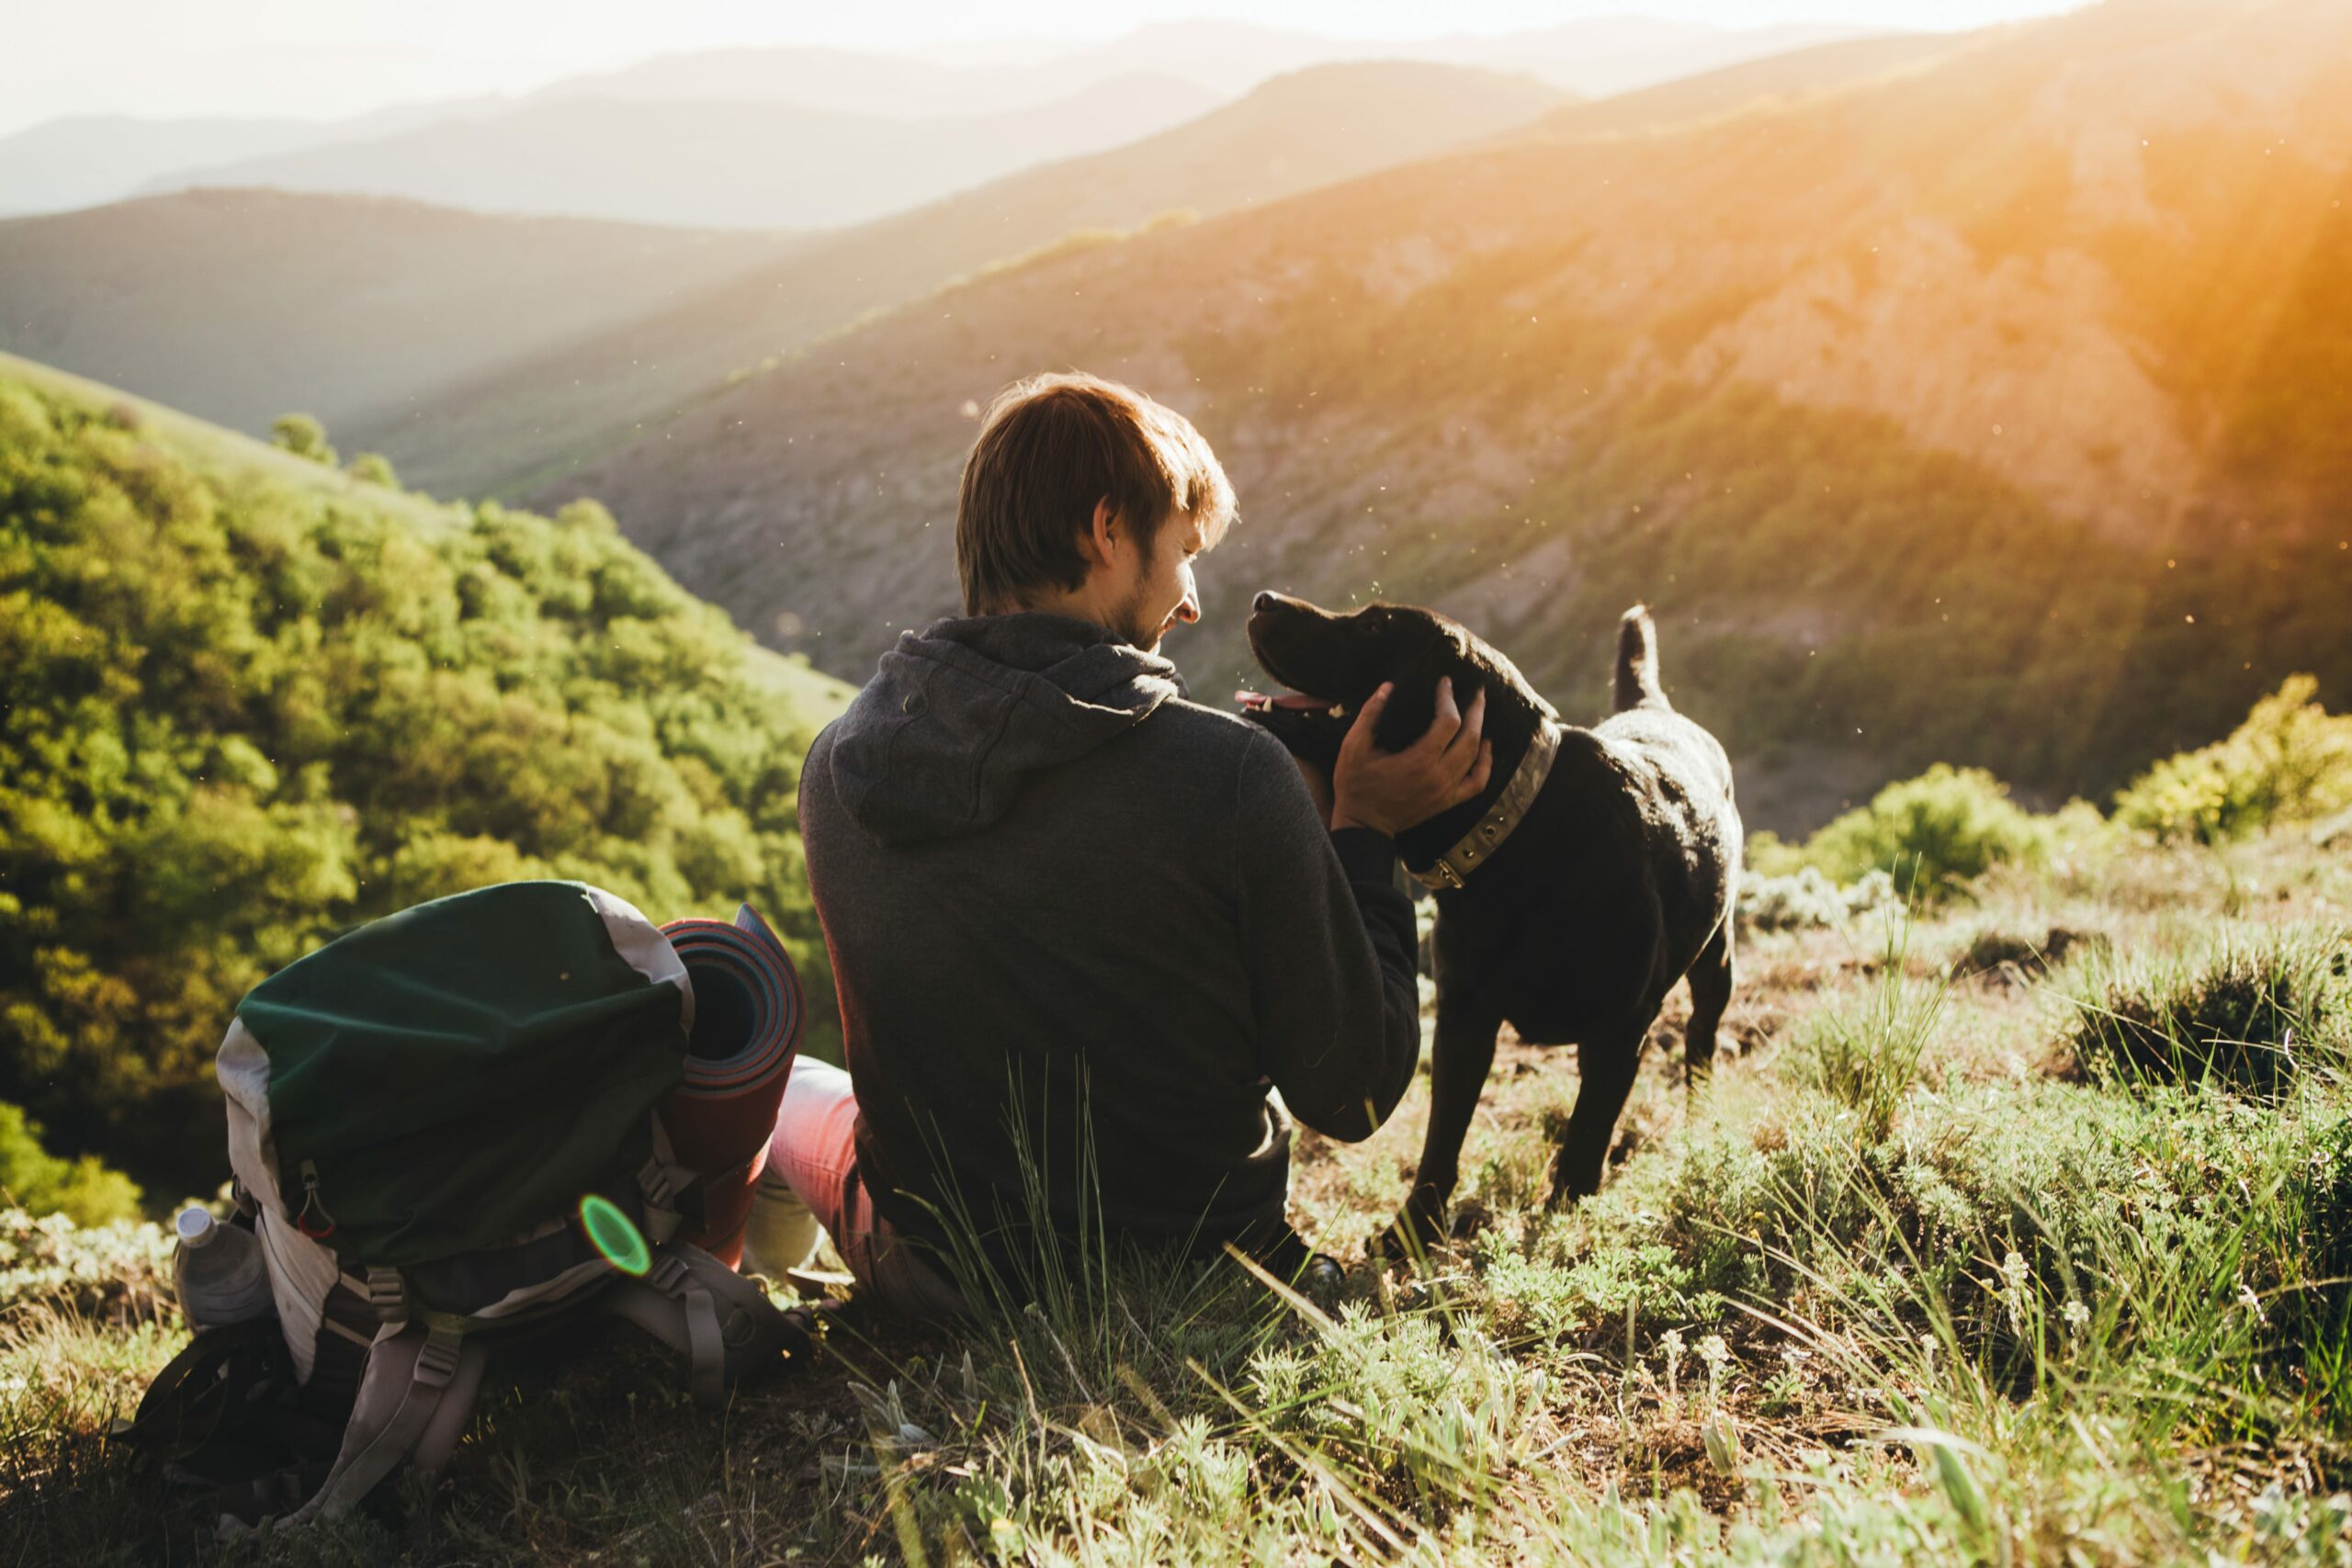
column 326, row 58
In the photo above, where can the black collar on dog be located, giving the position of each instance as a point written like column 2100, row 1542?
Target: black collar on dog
column 1478, row 846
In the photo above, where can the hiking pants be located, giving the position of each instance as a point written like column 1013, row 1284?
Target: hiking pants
column 814, row 1154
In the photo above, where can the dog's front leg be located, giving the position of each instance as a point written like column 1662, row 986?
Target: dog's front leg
column 1460, row 1057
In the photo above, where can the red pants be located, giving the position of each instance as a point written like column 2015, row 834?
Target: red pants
column 814, row 1153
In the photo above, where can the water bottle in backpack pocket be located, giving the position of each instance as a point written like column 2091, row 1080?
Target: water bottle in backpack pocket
column 218, row 1271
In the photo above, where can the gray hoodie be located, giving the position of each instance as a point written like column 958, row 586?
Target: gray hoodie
column 1077, row 920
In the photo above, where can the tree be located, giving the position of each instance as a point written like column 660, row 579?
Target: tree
column 303, row 436
column 375, row 468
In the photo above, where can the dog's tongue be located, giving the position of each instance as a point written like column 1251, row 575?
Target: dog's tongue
column 1294, row 701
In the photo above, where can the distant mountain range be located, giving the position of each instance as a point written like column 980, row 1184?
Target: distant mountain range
column 480, row 351
column 1993, row 408
column 537, row 415
column 716, row 122
column 719, row 164
column 1590, row 57
column 243, row 305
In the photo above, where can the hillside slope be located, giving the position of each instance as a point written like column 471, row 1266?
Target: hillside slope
column 712, row 165
column 252, row 701
column 2010, row 386
column 243, row 305
column 1327, row 124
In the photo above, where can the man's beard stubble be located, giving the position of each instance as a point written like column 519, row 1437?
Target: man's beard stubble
column 1129, row 618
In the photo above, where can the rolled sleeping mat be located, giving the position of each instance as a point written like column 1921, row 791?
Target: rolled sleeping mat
column 748, row 1015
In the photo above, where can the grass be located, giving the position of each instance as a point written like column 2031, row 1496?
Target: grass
column 1930, row 1271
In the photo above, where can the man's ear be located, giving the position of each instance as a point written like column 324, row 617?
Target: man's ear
column 1100, row 541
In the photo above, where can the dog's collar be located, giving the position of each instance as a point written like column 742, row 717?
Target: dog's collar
column 1478, row 846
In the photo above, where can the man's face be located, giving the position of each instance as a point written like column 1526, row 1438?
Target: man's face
column 1156, row 592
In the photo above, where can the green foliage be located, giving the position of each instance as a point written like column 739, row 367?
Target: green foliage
column 2290, row 762
column 1866, row 1055
column 375, row 468
column 32, row 1178
column 1807, row 898
column 303, row 436
column 2016, row 1317
column 1933, row 833
column 244, row 716
column 117, row 1270
column 2253, row 1014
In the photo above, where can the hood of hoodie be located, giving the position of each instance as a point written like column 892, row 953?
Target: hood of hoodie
column 960, row 717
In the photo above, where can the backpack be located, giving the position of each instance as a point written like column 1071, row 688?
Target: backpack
column 457, row 1122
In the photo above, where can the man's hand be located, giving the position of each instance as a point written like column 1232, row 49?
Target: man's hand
column 1391, row 791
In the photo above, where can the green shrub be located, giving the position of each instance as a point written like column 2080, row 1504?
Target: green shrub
column 39, row 1182
column 244, row 714
column 375, row 468
column 1866, row 1053
column 1933, row 834
column 2254, row 1015
column 2290, row 762
column 303, row 436
column 1808, row 900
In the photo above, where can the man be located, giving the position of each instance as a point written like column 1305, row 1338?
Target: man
column 1079, row 925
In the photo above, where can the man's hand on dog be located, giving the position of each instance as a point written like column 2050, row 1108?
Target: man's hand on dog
column 1391, row 791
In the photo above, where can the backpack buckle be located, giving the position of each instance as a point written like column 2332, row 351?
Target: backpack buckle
column 436, row 1359
column 388, row 1294
column 668, row 1274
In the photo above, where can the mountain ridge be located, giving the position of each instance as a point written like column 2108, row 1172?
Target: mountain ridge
column 1963, row 375
column 537, row 414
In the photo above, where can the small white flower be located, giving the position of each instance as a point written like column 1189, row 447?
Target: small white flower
column 2013, row 1278
column 2077, row 1316
column 2252, row 1303
column 1713, row 1351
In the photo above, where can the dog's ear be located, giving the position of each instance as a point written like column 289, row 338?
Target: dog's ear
column 1413, row 703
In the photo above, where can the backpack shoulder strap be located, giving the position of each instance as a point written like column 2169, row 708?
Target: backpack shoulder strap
column 419, row 1387
column 722, row 1322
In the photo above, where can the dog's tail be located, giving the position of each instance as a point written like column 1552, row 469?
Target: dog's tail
column 1638, row 684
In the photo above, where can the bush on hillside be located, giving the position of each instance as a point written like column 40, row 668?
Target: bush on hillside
column 1807, row 900
column 245, row 715
column 2252, row 1015
column 1932, row 834
column 303, row 436
column 37, row 1181
column 375, row 468
column 2290, row 762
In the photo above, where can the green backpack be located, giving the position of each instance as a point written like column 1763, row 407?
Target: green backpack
column 443, row 1124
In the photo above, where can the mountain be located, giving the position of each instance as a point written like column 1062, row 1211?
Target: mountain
column 715, row 163
column 243, row 305
column 87, row 160
column 1290, row 135
column 1791, row 75
column 1999, row 411
column 1228, row 57
column 254, row 701
column 1603, row 56
column 83, row 160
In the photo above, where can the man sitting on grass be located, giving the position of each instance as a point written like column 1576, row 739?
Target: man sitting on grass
column 1080, row 926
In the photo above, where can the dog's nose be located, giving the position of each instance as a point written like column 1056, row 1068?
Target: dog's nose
column 1266, row 599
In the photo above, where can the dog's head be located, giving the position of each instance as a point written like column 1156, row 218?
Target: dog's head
column 1335, row 662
